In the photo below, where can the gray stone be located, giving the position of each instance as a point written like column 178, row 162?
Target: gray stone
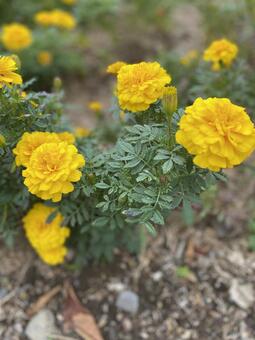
column 128, row 301
column 41, row 326
column 3, row 292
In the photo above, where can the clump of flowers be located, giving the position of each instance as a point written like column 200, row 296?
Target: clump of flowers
column 221, row 53
column 189, row 57
column 44, row 58
column 16, row 37
column 115, row 67
column 46, row 237
column 57, row 18
column 140, row 85
column 219, row 133
column 52, row 163
column 7, row 72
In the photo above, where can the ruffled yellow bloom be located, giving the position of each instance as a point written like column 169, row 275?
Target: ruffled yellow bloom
column 219, row 133
column 220, row 52
column 69, row 2
column 95, row 106
column 139, row 85
column 189, row 57
column 16, row 37
column 115, row 67
column 7, row 72
column 29, row 142
column 56, row 17
column 47, row 239
column 44, row 58
column 81, row 132
column 51, row 170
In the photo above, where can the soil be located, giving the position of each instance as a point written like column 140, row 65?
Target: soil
column 195, row 305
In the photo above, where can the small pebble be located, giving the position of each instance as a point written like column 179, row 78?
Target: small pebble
column 128, row 301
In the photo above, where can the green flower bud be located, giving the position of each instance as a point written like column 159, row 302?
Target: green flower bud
column 57, row 84
column 169, row 100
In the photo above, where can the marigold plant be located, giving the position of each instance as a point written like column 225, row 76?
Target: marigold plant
column 156, row 158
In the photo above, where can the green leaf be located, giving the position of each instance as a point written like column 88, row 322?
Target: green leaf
column 100, row 221
column 150, row 228
column 167, row 166
column 183, row 272
column 52, row 216
column 102, row 185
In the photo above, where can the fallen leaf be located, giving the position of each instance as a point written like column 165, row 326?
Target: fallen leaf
column 190, row 251
column 43, row 300
column 78, row 318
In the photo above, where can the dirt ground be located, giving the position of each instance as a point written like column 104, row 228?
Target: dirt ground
column 212, row 300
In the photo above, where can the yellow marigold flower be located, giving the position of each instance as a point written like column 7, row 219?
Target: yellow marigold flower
column 189, row 57
column 46, row 238
column 220, row 52
column 16, row 37
column 219, row 133
column 69, row 2
column 115, row 67
column 81, row 132
column 95, row 106
column 7, row 72
column 56, row 17
column 139, row 85
column 44, row 58
column 51, row 170
column 43, row 18
column 30, row 141
column 63, row 19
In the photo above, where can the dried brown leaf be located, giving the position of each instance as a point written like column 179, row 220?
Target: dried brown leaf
column 78, row 318
column 43, row 301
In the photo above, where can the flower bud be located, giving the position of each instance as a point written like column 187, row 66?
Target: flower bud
column 57, row 84
column 169, row 100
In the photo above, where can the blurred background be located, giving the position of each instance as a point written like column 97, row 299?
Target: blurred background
column 196, row 279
